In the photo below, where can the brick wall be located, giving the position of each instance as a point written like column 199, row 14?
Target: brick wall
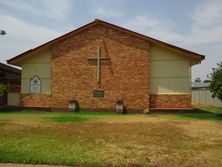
column 125, row 76
column 170, row 101
column 35, row 100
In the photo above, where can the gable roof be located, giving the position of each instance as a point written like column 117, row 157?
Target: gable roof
column 191, row 54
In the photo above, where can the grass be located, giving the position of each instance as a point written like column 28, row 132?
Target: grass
column 199, row 114
column 70, row 119
column 111, row 139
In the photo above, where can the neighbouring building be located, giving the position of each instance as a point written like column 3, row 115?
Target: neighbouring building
column 100, row 62
column 201, row 95
column 11, row 77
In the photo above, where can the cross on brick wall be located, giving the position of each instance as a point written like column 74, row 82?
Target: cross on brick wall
column 98, row 58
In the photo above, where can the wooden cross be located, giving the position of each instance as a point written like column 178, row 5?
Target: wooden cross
column 98, row 58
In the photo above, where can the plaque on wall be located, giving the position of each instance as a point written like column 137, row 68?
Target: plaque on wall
column 35, row 85
column 98, row 93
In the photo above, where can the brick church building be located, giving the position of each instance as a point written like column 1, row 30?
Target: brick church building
column 100, row 62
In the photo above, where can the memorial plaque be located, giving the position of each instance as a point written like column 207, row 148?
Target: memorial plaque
column 35, row 85
column 98, row 93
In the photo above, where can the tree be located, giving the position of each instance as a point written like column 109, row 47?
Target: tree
column 197, row 79
column 2, row 32
column 216, row 82
column 3, row 88
column 206, row 81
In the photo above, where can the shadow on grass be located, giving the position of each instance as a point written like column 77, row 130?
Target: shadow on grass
column 201, row 114
column 197, row 113
column 9, row 109
column 15, row 110
column 68, row 119
column 31, row 111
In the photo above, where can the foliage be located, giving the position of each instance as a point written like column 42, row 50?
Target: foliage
column 3, row 88
column 197, row 79
column 206, row 81
column 2, row 32
column 216, row 82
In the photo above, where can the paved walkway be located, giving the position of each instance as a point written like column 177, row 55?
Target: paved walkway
column 27, row 165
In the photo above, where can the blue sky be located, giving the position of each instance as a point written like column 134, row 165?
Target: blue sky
column 194, row 25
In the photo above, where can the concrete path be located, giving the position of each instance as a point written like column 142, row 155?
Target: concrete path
column 27, row 165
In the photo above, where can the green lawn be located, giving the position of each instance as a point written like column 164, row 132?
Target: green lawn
column 111, row 139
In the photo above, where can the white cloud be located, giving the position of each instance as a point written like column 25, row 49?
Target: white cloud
column 201, row 35
column 144, row 21
column 207, row 23
column 58, row 9
column 22, row 36
column 206, row 26
column 108, row 8
column 18, row 5
column 19, row 29
column 153, row 27
column 208, row 13
column 101, row 11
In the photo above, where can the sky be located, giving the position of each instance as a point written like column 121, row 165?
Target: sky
column 195, row 25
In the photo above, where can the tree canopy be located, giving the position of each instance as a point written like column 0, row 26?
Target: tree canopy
column 3, row 88
column 2, row 32
column 197, row 79
column 216, row 81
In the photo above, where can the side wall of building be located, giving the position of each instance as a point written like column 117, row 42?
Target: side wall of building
column 13, row 98
column 170, row 79
column 37, row 65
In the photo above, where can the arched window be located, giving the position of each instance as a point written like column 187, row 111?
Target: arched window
column 35, row 85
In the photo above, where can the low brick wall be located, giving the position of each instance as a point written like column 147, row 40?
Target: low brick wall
column 127, row 110
column 182, row 101
column 156, row 102
column 35, row 100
